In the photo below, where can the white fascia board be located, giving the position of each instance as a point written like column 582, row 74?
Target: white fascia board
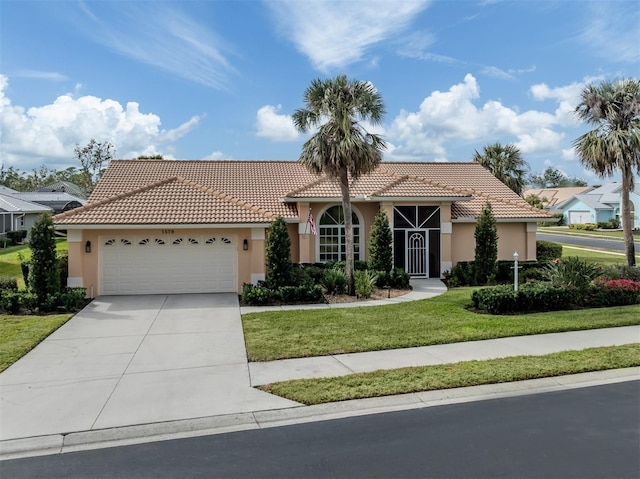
column 469, row 219
column 160, row 226
column 419, row 199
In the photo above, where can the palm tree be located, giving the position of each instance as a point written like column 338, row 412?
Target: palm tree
column 505, row 163
column 614, row 144
column 341, row 148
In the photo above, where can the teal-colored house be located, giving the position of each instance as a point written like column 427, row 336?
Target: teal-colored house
column 599, row 205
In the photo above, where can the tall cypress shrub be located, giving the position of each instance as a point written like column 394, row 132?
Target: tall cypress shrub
column 486, row 260
column 44, row 278
column 279, row 265
column 380, row 244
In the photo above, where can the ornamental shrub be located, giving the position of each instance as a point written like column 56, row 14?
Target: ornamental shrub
column 572, row 272
column 10, row 301
column 16, row 237
column 72, row 299
column 530, row 297
column 462, row 274
column 334, row 281
column 380, row 244
column 44, row 279
column 583, row 226
column 8, row 283
column 486, row 255
column 257, row 295
column 621, row 272
column 548, row 250
column 400, row 279
column 278, row 255
column 364, row 282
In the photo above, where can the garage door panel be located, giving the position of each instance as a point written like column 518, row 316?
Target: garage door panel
column 146, row 265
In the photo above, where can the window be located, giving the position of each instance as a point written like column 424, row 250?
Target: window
column 331, row 236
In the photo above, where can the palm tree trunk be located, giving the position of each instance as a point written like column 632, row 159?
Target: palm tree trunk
column 629, row 248
column 348, row 229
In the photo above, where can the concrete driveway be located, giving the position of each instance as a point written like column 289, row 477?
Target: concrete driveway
column 128, row 360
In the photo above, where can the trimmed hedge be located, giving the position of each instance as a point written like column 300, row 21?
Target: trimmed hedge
column 548, row 250
column 583, row 226
column 13, row 301
column 536, row 297
column 463, row 273
column 260, row 295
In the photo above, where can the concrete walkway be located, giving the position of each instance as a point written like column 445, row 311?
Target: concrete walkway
column 534, row 345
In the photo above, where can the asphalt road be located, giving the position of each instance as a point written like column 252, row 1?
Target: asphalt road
column 588, row 433
column 586, row 242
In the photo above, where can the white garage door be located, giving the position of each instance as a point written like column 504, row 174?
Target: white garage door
column 579, row 217
column 168, row 264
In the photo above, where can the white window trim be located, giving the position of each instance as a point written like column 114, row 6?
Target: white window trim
column 361, row 224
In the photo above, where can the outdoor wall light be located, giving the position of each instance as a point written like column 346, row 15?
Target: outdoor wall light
column 87, row 247
column 245, row 244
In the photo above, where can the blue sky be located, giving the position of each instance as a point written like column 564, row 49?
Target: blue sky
column 220, row 79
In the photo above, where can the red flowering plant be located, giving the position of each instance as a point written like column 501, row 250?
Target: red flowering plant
column 623, row 284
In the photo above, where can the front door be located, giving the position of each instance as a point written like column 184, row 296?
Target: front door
column 416, row 252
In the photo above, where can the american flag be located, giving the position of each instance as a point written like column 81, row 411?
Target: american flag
column 312, row 223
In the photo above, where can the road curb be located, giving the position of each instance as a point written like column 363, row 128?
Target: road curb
column 138, row 434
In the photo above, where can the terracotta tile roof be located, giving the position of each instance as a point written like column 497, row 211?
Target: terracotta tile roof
column 465, row 176
column 380, row 183
column 170, row 201
column 205, row 192
column 503, row 209
column 555, row 196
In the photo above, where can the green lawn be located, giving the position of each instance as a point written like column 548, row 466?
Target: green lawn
column 20, row 334
column 616, row 234
column 443, row 319
column 468, row 373
column 10, row 261
column 596, row 255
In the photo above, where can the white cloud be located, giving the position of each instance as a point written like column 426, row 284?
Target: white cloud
column 49, row 133
column 217, row 155
column 611, row 30
column 569, row 154
column 496, row 72
column 542, row 140
column 567, row 97
column 160, row 35
column 40, row 75
column 276, row 127
column 334, row 33
column 447, row 117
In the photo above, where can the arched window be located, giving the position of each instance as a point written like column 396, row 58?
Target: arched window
column 331, row 235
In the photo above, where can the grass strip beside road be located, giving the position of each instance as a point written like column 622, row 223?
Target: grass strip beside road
column 20, row 334
column 595, row 255
column 446, row 376
column 603, row 234
column 440, row 320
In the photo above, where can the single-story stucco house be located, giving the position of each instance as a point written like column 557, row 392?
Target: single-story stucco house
column 17, row 214
column 600, row 204
column 200, row 226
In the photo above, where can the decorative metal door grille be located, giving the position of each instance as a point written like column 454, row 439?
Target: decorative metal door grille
column 417, row 253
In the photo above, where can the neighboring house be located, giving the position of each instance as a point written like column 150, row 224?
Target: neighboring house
column 17, row 214
column 599, row 205
column 59, row 202
column 200, row 226
column 556, row 196
column 63, row 187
